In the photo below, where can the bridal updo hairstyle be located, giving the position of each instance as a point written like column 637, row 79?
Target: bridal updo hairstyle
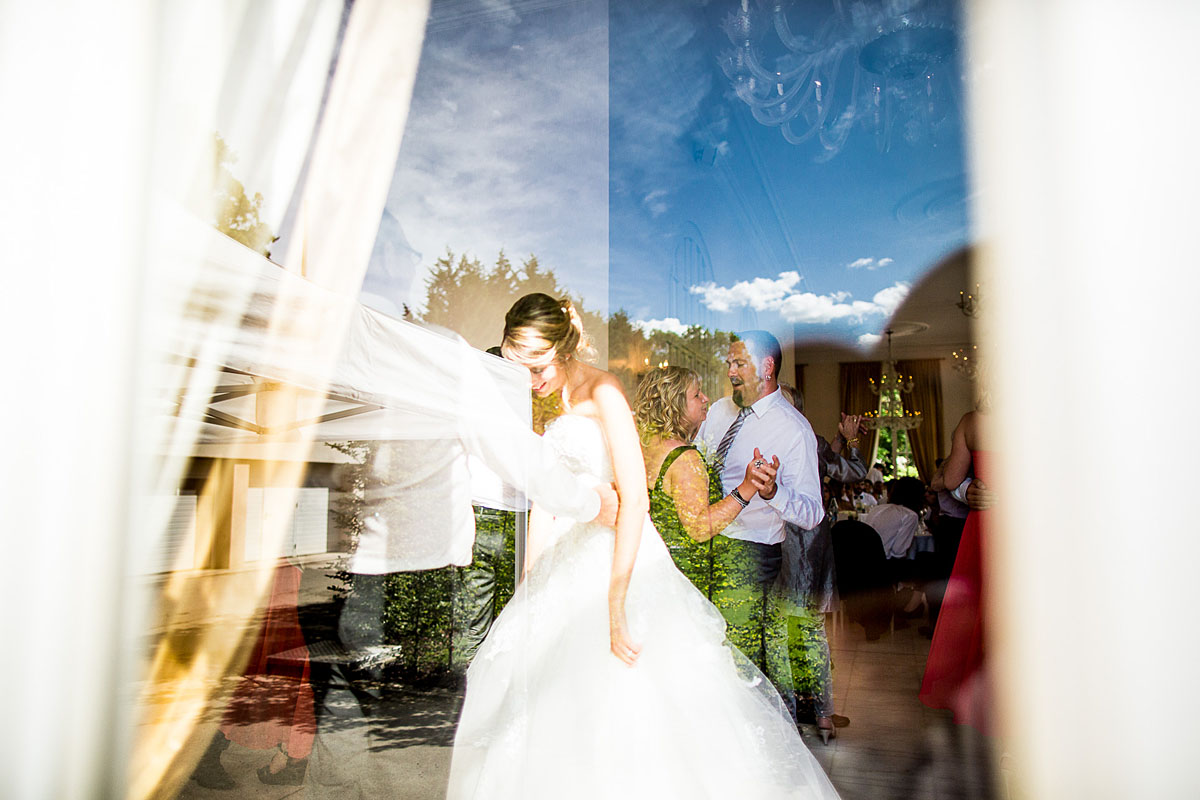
column 660, row 403
column 539, row 330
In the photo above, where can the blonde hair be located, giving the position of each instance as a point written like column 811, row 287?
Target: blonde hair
column 793, row 396
column 660, row 403
column 539, row 330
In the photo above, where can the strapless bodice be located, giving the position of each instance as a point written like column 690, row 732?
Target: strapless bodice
column 580, row 443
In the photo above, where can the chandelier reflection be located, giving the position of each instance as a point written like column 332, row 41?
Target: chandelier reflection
column 887, row 64
column 966, row 361
column 891, row 390
column 968, row 302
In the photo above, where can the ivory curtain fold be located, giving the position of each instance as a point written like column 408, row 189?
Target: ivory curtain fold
column 857, row 398
column 264, row 104
column 925, row 399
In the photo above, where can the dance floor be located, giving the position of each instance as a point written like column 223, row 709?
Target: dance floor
column 893, row 748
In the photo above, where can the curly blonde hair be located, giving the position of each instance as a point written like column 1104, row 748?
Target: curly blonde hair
column 660, row 403
column 539, row 330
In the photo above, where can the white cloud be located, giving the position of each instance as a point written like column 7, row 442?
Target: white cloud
column 811, row 308
column 870, row 263
column 868, row 340
column 780, row 295
column 668, row 325
column 889, row 299
column 760, row 294
column 654, row 202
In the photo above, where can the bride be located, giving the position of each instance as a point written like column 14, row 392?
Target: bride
column 608, row 674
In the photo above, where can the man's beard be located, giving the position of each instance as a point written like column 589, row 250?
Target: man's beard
column 737, row 394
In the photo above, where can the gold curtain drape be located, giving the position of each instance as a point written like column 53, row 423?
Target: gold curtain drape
column 857, row 398
column 925, row 399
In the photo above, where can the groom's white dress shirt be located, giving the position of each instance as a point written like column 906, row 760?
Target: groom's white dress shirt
column 776, row 428
column 418, row 494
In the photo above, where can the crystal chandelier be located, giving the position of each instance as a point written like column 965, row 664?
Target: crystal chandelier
column 895, row 56
column 891, row 389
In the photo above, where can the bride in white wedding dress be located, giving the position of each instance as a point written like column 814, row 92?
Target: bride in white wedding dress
column 608, row 674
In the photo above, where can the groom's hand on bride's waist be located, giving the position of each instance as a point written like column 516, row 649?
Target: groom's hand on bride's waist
column 609, row 503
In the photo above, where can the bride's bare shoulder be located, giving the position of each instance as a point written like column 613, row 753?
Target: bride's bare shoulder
column 597, row 380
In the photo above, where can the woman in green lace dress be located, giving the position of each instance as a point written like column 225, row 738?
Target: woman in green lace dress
column 687, row 504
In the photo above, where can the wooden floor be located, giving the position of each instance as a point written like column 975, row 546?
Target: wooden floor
column 895, row 747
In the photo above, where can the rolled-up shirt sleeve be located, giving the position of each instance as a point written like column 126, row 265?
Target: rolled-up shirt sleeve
column 798, row 496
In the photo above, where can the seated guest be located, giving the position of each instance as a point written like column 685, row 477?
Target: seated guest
column 845, row 494
column 897, row 520
column 864, row 496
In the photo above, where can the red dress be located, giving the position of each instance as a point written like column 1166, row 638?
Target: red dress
column 273, row 705
column 954, row 675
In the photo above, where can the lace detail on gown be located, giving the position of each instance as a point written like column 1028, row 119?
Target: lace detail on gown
column 551, row 713
column 580, row 443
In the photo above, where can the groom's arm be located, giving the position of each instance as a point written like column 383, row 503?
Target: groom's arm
column 525, row 461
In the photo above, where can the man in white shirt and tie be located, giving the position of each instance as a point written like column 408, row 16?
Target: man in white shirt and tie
column 758, row 417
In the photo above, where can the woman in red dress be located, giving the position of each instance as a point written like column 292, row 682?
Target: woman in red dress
column 954, row 674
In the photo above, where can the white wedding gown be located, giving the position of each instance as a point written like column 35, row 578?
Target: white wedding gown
column 551, row 713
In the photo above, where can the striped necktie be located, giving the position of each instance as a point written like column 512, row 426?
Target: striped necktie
column 727, row 439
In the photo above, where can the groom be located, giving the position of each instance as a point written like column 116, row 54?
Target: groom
column 758, row 419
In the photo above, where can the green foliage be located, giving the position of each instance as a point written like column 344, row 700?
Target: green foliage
column 470, row 299
column 632, row 353
column 233, row 213
column 896, row 455
column 429, row 613
column 426, row 612
column 347, row 506
column 418, row 616
column 806, row 648
column 466, row 296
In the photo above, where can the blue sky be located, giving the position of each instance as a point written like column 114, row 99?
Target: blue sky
column 605, row 138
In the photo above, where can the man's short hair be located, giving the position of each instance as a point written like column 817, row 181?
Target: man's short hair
column 760, row 345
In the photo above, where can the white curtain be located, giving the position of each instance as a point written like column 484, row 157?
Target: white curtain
column 111, row 113
column 1086, row 168
column 74, row 88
